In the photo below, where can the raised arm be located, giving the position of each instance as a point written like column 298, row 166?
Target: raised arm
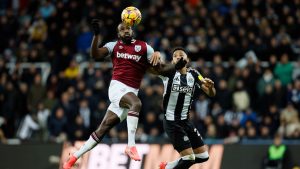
column 207, row 85
column 96, row 52
column 162, row 69
column 167, row 69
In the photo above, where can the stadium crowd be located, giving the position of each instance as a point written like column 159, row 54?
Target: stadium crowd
column 254, row 99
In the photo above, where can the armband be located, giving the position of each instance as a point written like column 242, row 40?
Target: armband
column 200, row 77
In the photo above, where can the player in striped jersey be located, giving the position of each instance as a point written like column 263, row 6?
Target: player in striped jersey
column 178, row 94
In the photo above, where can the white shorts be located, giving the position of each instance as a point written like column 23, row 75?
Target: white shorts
column 115, row 92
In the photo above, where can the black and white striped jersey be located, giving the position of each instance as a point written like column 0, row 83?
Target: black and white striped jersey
column 178, row 94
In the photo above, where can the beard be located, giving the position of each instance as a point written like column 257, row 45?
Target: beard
column 126, row 39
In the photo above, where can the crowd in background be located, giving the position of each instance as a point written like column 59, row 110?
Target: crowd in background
column 254, row 100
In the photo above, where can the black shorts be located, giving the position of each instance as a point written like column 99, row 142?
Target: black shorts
column 183, row 134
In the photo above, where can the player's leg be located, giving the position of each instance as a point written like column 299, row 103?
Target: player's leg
column 201, row 154
column 200, row 150
column 133, row 103
column 181, row 143
column 109, row 121
column 186, row 161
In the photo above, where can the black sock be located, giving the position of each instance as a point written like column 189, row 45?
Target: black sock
column 201, row 160
column 184, row 164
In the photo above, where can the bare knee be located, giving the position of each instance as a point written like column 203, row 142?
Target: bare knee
column 136, row 106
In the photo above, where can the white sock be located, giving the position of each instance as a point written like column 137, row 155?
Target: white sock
column 87, row 146
column 171, row 165
column 132, row 122
column 202, row 155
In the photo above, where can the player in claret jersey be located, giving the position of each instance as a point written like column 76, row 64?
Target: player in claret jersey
column 131, row 58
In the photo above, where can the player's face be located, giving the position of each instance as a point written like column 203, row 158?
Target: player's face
column 179, row 54
column 125, row 33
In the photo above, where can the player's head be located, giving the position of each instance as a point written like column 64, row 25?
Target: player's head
column 125, row 33
column 179, row 52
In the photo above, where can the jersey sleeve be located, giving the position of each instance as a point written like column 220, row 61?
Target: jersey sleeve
column 150, row 51
column 110, row 47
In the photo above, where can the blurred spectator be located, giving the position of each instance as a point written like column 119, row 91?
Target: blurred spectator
column 152, row 126
column 241, row 100
column 38, row 31
column 37, row 92
column 47, row 9
column 289, row 121
column 57, row 125
column 27, row 127
column 266, row 79
column 296, row 70
column 224, row 95
column 21, row 102
column 42, row 118
column 98, row 115
column 294, row 94
column 249, row 115
column 72, row 71
column 202, row 106
column 284, row 70
column 77, row 131
column 222, row 127
column 50, row 101
column 280, row 94
column 84, row 39
column 85, row 113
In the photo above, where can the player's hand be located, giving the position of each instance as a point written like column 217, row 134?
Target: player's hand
column 208, row 83
column 96, row 26
column 180, row 64
column 155, row 58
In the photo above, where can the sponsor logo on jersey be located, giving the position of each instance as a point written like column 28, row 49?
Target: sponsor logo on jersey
column 190, row 80
column 137, row 48
column 182, row 89
column 128, row 56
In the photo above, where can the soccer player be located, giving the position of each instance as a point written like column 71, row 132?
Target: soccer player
column 130, row 58
column 178, row 93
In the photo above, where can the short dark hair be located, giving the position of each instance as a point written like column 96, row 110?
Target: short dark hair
column 180, row 48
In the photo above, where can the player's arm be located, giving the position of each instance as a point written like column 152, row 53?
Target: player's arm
column 162, row 69
column 167, row 69
column 96, row 52
column 207, row 86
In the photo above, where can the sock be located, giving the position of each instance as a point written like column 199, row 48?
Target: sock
column 202, row 157
column 132, row 122
column 88, row 145
column 171, row 165
column 184, row 164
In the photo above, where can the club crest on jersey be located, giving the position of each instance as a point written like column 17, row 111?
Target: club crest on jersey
column 137, row 48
